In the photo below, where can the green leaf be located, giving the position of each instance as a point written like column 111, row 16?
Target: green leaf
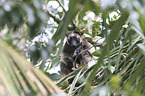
column 142, row 48
column 97, row 53
column 137, row 73
column 142, row 23
column 70, row 93
column 19, row 77
column 113, row 35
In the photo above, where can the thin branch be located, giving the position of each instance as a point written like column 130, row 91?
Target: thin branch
column 73, row 23
column 57, row 19
column 94, row 43
column 61, row 5
column 84, row 29
column 80, row 54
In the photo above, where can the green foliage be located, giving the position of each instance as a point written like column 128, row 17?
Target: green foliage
column 115, row 28
column 19, row 77
column 17, row 12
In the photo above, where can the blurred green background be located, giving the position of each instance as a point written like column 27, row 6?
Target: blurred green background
column 32, row 33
